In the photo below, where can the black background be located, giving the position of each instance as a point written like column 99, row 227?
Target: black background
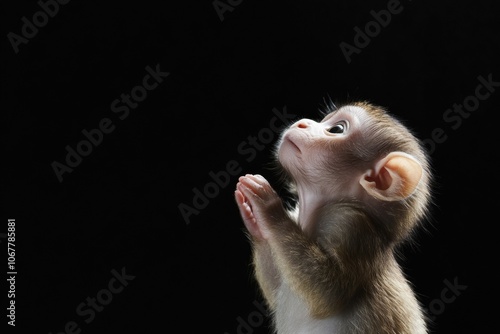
column 119, row 207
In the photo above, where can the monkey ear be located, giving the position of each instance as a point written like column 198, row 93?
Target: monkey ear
column 394, row 178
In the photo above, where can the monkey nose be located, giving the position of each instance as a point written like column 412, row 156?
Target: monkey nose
column 302, row 124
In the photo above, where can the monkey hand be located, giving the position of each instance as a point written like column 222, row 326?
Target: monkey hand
column 260, row 206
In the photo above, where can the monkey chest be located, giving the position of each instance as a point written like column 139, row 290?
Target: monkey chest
column 292, row 316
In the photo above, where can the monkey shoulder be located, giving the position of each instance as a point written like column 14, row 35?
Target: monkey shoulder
column 349, row 232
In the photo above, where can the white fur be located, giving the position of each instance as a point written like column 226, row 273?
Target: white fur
column 292, row 316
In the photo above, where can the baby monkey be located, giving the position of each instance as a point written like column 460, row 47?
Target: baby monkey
column 362, row 182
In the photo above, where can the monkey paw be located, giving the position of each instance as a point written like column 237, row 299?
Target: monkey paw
column 260, row 206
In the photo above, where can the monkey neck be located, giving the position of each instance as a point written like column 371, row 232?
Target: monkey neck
column 310, row 202
column 313, row 197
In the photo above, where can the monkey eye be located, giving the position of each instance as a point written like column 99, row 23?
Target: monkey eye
column 338, row 128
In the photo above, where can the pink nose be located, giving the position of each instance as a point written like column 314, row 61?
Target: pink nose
column 302, row 124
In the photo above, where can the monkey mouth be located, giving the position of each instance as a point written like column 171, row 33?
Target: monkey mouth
column 287, row 139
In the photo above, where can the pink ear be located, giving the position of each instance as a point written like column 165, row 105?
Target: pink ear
column 394, row 178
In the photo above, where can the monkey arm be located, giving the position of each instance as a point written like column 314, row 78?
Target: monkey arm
column 266, row 272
